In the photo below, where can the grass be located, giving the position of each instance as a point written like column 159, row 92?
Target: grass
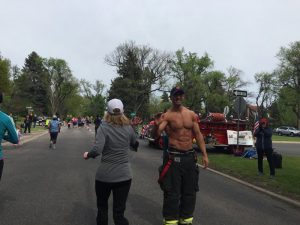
column 38, row 129
column 286, row 181
column 33, row 129
column 285, row 138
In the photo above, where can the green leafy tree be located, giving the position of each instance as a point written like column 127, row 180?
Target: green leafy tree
column 31, row 84
column 156, row 105
column 165, row 97
column 142, row 71
column 5, row 83
column 216, row 97
column 188, row 70
column 266, row 93
column 61, row 86
column 35, row 72
column 206, row 90
column 289, row 76
column 131, row 75
column 285, row 107
column 74, row 105
column 233, row 82
column 16, row 100
column 94, row 100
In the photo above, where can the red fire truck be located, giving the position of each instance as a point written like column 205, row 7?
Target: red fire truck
column 214, row 128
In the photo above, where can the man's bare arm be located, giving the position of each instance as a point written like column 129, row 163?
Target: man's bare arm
column 201, row 143
column 160, row 125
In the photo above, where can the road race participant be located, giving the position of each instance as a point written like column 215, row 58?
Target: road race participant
column 97, row 123
column 7, row 132
column 54, row 129
column 113, row 140
column 179, row 173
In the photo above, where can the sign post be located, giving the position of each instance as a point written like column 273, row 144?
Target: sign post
column 240, row 93
column 240, row 107
column 29, row 109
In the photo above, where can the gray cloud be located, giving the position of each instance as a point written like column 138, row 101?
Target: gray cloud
column 244, row 34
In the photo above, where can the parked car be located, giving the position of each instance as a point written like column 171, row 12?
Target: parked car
column 285, row 130
column 40, row 121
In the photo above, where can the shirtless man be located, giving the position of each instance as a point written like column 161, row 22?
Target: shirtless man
column 179, row 173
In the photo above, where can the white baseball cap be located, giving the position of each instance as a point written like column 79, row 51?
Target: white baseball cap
column 115, row 106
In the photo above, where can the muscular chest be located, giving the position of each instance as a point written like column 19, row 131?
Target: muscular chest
column 180, row 121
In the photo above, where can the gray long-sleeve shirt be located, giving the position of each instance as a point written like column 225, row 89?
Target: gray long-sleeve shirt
column 113, row 143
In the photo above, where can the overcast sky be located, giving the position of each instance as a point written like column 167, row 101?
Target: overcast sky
column 245, row 34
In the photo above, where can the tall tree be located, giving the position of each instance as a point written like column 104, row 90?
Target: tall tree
column 131, row 75
column 94, row 103
column 32, row 84
column 215, row 96
column 86, row 88
column 165, row 97
column 289, row 75
column 188, row 70
column 284, row 107
column 157, row 104
column 234, row 81
column 5, row 83
column 62, row 84
column 6, row 86
column 142, row 71
column 267, row 93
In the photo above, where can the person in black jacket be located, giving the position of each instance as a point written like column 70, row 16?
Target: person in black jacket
column 27, row 124
column 263, row 144
column 97, row 123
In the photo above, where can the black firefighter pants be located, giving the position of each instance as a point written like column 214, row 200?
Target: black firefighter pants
column 120, row 192
column 180, row 186
column 260, row 156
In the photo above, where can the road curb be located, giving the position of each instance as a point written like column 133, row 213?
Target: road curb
column 286, row 142
column 283, row 198
column 33, row 137
column 28, row 139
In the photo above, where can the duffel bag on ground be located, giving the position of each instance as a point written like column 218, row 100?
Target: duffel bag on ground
column 277, row 159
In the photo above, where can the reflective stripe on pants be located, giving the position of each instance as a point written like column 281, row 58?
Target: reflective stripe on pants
column 170, row 222
column 187, row 221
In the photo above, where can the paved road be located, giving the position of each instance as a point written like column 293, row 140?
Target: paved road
column 291, row 149
column 56, row 187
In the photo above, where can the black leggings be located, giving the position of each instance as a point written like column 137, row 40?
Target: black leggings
column 27, row 127
column 53, row 137
column 1, row 167
column 120, row 192
column 260, row 156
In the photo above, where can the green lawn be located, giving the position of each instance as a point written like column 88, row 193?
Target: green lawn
column 38, row 129
column 286, row 182
column 33, row 130
column 276, row 137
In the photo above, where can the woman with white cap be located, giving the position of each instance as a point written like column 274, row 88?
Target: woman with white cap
column 114, row 138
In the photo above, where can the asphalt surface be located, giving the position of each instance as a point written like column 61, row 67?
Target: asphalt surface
column 285, row 148
column 43, row 186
